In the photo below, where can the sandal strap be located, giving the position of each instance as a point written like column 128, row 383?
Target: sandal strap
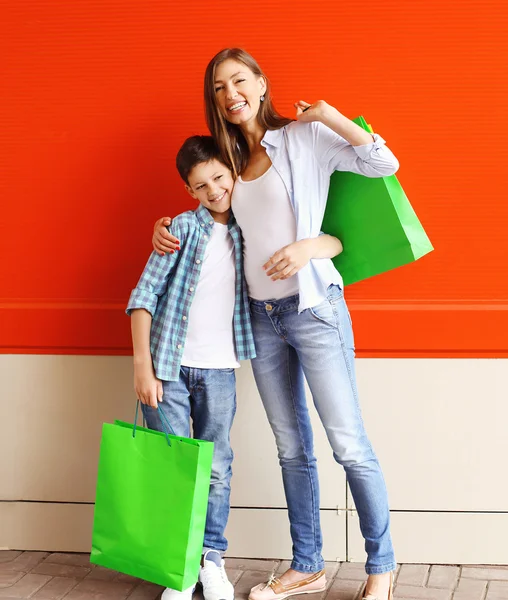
column 279, row 588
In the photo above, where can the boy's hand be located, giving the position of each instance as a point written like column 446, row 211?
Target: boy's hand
column 162, row 240
column 148, row 387
column 289, row 260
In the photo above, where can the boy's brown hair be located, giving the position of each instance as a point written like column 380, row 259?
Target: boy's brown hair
column 195, row 150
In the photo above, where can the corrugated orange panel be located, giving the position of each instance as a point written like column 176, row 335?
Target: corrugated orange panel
column 97, row 97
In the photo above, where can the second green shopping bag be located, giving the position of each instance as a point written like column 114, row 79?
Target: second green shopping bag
column 375, row 222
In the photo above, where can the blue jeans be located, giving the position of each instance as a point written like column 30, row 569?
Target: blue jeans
column 318, row 344
column 208, row 396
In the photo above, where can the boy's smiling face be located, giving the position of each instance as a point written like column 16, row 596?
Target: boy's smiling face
column 211, row 184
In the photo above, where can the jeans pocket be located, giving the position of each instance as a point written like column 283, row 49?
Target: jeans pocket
column 325, row 313
column 335, row 293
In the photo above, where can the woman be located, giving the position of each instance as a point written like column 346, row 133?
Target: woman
column 301, row 323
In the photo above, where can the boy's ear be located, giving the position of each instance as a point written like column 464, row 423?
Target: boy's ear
column 188, row 189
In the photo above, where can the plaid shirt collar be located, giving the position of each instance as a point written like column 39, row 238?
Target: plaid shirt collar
column 206, row 220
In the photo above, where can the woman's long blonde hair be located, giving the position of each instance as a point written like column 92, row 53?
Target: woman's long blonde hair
column 229, row 137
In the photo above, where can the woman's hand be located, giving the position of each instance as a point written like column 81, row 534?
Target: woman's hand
column 289, row 260
column 162, row 240
column 328, row 115
column 319, row 111
column 148, row 388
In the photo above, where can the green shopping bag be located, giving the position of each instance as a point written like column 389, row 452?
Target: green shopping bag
column 375, row 223
column 151, row 503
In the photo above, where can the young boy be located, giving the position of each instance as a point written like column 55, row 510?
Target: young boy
column 190, row 327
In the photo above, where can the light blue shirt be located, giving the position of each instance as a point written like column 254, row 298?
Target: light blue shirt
column 305, row 155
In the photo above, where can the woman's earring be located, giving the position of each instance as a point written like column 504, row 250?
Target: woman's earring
column 262, row 98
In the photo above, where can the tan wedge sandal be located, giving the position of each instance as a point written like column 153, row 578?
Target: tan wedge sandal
column 274, row 589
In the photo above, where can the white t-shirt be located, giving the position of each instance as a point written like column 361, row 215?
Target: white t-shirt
column 263, row 210
column 210, row 340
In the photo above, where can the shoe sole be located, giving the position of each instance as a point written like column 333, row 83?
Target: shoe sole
column 297, row 593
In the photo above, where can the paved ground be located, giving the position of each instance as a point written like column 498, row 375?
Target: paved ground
column 45, row 576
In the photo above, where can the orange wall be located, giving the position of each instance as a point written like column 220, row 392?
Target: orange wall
column 98, row 96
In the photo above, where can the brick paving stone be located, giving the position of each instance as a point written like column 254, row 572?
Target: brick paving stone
column 146, row 591
column 415, row 575
column 107, row 575
column 56, row 588
column 343, row 589
column 24, row 562
column 97, row 589
column 352, row 572
column 467, row 595
column 502, row 566
column 234, row 574
column 124, row 578
column 74, row 559
column 252, row 564
column 470, row 589
column 497, row 590
column 9, row 578
column 8, row 555
column 492, row 573
column 56, row 570
column 421, row 593
column 443, row 577
column 25, row 587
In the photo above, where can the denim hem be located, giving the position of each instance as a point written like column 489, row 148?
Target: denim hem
column 296, row 566
column 205, row 549
column 382, row 569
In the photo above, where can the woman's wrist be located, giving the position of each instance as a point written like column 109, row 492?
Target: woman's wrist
column 346, row 128
column 310, row 246
column 331, row 117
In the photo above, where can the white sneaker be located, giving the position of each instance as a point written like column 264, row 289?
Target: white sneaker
column 215, row 582
column 169, row 594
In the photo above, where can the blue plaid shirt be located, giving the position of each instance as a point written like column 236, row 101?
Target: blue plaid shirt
column 167, row 287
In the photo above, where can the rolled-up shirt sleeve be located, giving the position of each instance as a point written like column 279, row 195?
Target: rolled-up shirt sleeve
column 334, row 153
column 153, row 282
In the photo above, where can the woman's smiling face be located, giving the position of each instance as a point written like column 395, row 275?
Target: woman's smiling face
column 238, row 91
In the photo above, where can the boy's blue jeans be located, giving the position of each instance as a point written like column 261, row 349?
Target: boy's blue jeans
column 208, row 396
column 318, row 344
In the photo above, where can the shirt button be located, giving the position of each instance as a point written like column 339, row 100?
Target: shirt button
column 179, row 346
column 184, row 318
column 210, row 222
column 268, row 306
column 206, row 237
column 191, row 289
column 198, row 262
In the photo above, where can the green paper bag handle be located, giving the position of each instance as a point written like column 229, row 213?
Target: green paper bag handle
column 164, row 421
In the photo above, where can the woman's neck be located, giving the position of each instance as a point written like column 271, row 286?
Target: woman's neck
column 253, row 134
